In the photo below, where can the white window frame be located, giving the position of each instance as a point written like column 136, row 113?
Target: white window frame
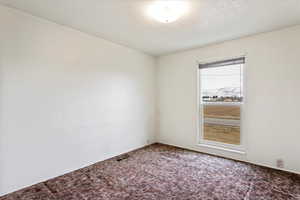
column 200, row 125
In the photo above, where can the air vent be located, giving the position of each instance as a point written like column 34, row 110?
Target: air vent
column 122, row 157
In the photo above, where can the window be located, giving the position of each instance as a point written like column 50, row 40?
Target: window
column 221, row 93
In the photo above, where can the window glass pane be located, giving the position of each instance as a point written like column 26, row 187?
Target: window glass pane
column 221, row 95
column 222, row 84
column 221, row 123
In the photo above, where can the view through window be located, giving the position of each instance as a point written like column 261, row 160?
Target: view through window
column 221, row 85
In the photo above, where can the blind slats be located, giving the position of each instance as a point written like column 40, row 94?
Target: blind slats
column 234, row 61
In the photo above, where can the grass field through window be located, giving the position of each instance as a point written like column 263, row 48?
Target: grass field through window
column 222, row 123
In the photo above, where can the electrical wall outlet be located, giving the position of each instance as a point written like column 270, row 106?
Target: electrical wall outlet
column 280, row 163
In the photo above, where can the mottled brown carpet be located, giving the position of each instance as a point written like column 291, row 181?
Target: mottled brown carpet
column 164, row 172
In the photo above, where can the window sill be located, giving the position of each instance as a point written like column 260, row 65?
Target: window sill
column 241, row 152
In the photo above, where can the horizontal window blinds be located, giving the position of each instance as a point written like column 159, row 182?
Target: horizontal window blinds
column 234, row 61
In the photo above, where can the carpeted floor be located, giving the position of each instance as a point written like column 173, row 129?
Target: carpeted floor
column 164, row 172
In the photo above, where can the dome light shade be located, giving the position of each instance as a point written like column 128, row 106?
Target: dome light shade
column 167, row 11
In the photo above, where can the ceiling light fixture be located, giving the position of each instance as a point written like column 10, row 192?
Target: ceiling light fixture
column 167, row 11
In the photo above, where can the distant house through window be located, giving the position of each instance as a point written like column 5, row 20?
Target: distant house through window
column 221, row 98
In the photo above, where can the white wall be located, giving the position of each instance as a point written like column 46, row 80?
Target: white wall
column 67, row 100
column 271, row 114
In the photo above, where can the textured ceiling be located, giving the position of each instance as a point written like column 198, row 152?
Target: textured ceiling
column 125, row 21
